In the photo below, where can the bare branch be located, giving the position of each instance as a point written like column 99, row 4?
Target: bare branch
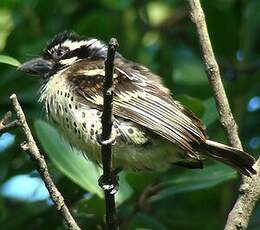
column 249, row 194
column 249, row 189
column 106, row 144
column 5, row 125
column 32, row 149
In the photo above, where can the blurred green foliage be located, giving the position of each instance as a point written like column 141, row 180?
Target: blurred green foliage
column 160, row 35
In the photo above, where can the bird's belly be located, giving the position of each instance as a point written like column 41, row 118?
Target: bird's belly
column 154, row 156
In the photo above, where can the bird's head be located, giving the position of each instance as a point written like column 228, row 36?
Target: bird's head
column 63, row 51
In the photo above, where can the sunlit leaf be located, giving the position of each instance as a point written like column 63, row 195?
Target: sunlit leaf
column 125, row 190
column 9, row 60
column 158, row 12
column 6, row 25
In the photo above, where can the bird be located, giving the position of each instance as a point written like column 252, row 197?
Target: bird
column 151, row 131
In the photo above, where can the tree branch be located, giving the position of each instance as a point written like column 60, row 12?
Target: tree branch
column 5, row 125
column 32, row 149
column 249, row 194
column 213, row 73
column 250, row 188
column 106, row 144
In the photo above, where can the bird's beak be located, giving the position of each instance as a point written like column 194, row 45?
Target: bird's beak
column 37, row 66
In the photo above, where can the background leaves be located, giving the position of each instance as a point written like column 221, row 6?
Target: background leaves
column 159, row 35
column 9, row 60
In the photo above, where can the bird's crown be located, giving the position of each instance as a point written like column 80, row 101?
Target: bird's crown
column 68, row 47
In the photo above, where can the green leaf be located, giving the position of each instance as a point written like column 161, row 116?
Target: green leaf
column 195, row 180
column 6, row 25
column 117, row 4
column 226, row 14
column 125, row 190
column 69, row 161
column 9, row 60
column 194, row 104
column 143, row 221
column 250, row 31
column 140, row 180
column 3, row 210
column 188, row 68
column 211, row 113
column 96, row 24
column 91, row 206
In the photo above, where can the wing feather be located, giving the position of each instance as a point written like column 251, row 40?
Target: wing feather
column 140, row 97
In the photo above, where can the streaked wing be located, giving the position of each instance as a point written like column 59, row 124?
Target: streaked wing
column 139, row 97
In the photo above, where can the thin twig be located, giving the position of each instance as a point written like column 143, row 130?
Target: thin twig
column 5, row 125
column 106, row 135
column 241, row 212
column 32, row 149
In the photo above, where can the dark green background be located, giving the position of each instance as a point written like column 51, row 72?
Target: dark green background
column 160, row 35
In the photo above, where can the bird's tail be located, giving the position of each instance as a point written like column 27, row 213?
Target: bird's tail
column 237, row 159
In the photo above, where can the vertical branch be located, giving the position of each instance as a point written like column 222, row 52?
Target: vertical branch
column 249, row 191
column 226, row 118
column 106, row 146
column 32, row 149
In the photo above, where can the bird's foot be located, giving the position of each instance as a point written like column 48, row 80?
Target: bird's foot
column 111, row 184
column 111, row 140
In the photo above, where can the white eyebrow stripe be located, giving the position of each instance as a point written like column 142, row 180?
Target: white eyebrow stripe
column 68, row 61
column 73, row 45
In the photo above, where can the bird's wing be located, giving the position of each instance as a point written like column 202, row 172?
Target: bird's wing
column 139, row 97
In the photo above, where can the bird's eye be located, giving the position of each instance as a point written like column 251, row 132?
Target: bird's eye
column 60, row 52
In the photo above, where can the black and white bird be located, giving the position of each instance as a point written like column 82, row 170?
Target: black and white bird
column 152, row 131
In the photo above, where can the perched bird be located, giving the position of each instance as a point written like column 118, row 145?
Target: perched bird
column 151, row 130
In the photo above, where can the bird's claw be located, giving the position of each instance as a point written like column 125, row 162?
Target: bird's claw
column 111, row 185
column 111, row 140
